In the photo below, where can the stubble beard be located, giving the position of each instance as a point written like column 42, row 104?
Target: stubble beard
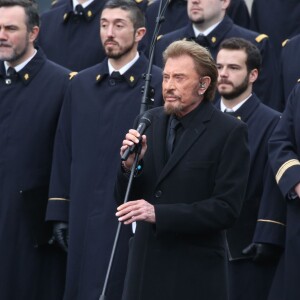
column 116, row 54
column 237, row 91
column 171, row 109
column 199, row 21
column 15, row 55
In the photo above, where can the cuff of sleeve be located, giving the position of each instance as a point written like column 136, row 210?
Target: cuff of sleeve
column 138, row 169
column 58, row 209
column 270, row 231
column 292, row 195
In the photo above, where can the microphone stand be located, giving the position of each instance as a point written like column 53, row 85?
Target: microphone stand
column 148, row 92
column 146, row 103
column 133, row 169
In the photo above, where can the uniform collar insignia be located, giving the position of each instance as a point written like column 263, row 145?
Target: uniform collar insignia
column 89, row 12
column 131, row 78
column 32, row 68
column 72, row 74
column 98, row 77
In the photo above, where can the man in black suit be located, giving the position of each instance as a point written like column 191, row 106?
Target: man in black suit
column 188, row 196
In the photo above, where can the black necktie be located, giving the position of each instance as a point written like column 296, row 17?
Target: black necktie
column 229, row 112
column 79, row 10
column 11, row 72
column 115, row 78
column 174, row 125
column 11, row 75
column 201, row 39
column 116, row 75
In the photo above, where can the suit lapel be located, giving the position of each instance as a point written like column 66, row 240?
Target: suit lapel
column 160, row 124
column 189, row 137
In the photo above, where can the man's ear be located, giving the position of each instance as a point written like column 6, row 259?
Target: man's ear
column 203, row 84
column 139, row 34
column 33, row 34
column 253, row 75
column 226, row 3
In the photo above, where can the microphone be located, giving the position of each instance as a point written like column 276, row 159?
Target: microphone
column 143, row 125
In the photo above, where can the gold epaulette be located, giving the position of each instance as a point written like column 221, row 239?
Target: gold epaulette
column 261, row 37
column 150, row 2
column 284, row 42
column 72, row 74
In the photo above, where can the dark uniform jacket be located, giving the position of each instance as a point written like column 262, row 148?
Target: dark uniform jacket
column 97, row 113
column 176, row 15
column 29, row 110
column 290, row 65
column 271, row 219
column 279, row 19
column 284, row 153
column 261, row 121
column 244, row 274
column 141, row 3
column 72, row 40
column 197, row 194
column 267, row 85
column 239, row 13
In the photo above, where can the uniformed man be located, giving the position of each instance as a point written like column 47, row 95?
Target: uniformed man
column 290, row 65
column 141, row 3
column 69, row 34
column 284, row 155
column 100, row 106
column 238, row 63
column 209, row 23
column 176, row 16
column 31, row 92
column 278, row 19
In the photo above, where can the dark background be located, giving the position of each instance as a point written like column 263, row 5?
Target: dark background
column 43, row 5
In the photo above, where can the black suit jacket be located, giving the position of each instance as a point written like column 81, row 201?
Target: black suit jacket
column 197, row 194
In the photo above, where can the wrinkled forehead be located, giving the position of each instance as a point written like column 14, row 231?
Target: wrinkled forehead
column 182, row 64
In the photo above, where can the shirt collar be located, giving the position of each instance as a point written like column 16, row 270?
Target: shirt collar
column 235, row 108
column 124, row 68
column 84, row 5
column 20, row 66
column 205, row 32
column 187, row 119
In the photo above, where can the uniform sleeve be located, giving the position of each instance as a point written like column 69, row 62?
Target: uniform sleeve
column 283, row 152
column 271, row 220
column 59, row 192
